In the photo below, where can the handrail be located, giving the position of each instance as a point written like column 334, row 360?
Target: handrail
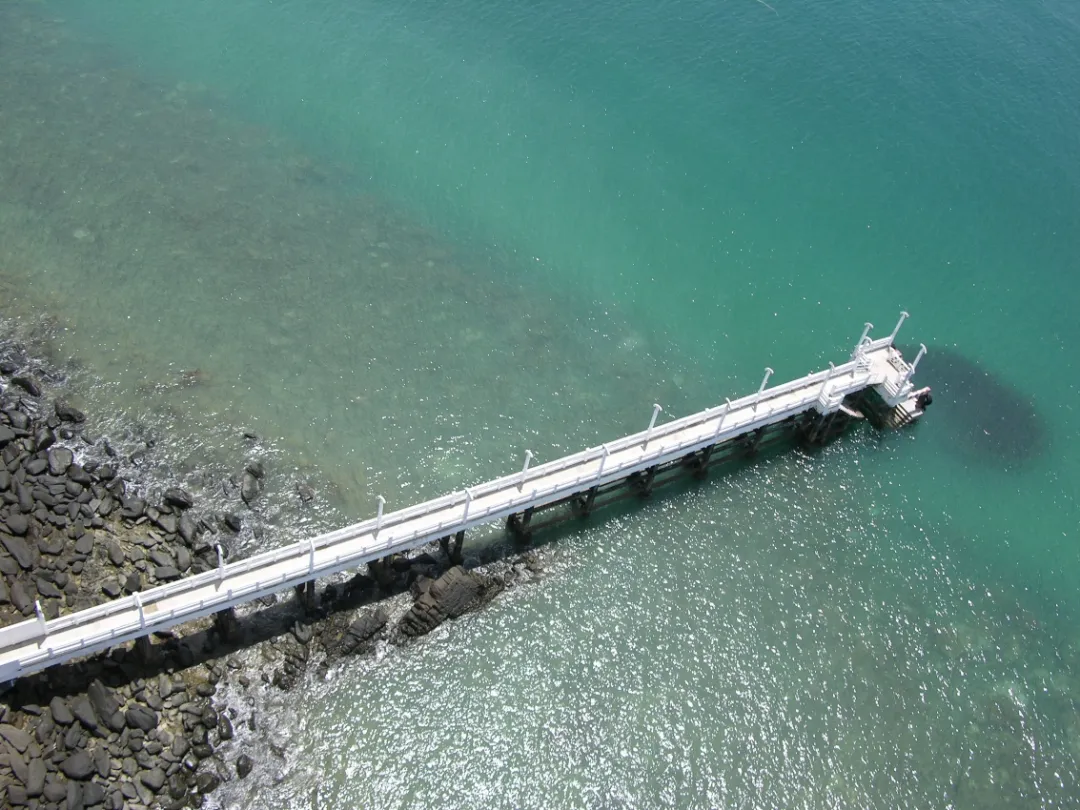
column 307, row 559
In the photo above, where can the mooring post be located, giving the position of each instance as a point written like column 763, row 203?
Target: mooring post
column 652, row 422
column 903, row 317
column 525, row 469
column 144, row 649
column 309, row 595
column 455, row 555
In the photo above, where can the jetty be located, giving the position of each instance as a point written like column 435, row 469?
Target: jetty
column 874, row 383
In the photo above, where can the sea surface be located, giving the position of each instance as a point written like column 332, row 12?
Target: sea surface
column 405, row 242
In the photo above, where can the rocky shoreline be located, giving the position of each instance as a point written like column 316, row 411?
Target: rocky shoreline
column 135, row 729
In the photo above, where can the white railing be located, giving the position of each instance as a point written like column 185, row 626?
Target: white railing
column 306, row 559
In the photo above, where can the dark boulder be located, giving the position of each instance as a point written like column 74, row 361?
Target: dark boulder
column 102, row 699
column 453, row 594
column 141, row 717
column 361, row 630
column 6, row 435
column 153, row 779
column 18, row 738
column 17, row 523
column 207, row 782
column 244, row 765
column 18, row 549
column 77, row 766
column 35, row 777
column 27, row 384
column 20, row 597
column 60, row 458
column 67, row 413
column 249, row 488
column 61, row 714
column 181, row 499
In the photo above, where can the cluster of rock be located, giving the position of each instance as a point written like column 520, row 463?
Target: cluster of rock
column 73, row 535
column 146, row 743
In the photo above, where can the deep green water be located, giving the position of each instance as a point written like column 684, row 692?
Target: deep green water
column 406, row 242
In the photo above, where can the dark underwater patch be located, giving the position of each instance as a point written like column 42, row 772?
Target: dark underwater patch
column 984, row 419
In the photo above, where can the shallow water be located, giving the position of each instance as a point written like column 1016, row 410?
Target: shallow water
column 406, row 243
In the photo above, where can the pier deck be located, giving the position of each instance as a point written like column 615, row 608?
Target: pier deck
column 876, row 368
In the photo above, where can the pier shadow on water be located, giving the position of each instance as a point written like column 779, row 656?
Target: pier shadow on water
column 983, row 419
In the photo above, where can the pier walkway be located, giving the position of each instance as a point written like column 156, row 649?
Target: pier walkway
column 876, row 371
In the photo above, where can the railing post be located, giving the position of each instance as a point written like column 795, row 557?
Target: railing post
column 865, row 333
column 468, row 502
column 828, row 379
column 220, row 566
column 378, row 514
column 525, row 469
column 603, row 461
column 915, row 362
column 311, row 559
column 723, row 416
column 903, row 317
column 765, row 380
column 652, row 422
column 761, row 388
column 40, row 615
column 138, row 604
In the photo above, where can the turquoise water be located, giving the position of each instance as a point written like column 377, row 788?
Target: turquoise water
column 408, row 242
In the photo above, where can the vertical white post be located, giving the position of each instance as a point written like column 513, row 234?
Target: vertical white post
column 865, row 333
column 603, row 461
column 828, row 379
column 468, row 502
column 915, row 362
column 903, row 317
column 378, row 513
column 765, row 380
column 40, row 615
column 311, row 558
column 652, row 422
column 138, row 604
column 723, row 416
column 525, row 469
column 220, row 565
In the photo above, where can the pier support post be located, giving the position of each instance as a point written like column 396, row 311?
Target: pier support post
column 751, row 441
column 225, row 623
column 453, row 550
column 583, row 504
column 643, row 481
column 518, row 525
column 699, row 462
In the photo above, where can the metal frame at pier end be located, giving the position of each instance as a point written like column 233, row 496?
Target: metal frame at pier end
column 876, row 379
